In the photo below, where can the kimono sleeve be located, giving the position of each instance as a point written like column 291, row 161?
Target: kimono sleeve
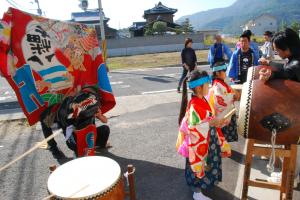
column 198, row 120
column 223, row 99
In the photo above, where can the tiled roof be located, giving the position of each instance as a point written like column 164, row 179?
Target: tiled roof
column 159, row 9
column 137, row 25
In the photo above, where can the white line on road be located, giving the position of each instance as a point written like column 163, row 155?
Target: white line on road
column 125, row 86
column 1, row 146
column 159, row 91
column 116, row 83
column 171, row 75
column 138, row 70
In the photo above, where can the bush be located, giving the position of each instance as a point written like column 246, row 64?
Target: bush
column 208, row 40
column 160, row 27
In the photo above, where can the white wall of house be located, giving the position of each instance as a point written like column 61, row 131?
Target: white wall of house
column 261, row 24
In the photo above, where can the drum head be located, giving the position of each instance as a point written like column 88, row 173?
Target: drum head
column 84, row 177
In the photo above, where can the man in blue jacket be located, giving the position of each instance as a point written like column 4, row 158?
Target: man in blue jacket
column 218, row 51
column 241, row 60
column 253, row 45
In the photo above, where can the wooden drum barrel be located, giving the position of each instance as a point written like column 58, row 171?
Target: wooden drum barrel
column 264, row 104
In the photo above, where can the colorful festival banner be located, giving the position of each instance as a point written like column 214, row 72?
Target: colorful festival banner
column 46, row 60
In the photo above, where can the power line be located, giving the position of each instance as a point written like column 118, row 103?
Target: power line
column 19, row 6
column 13, row 5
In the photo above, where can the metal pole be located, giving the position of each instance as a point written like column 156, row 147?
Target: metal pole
column 103, row 41
column 39, row 11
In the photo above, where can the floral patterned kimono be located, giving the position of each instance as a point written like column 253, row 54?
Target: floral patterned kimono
column 202, row 145
column 220, row 96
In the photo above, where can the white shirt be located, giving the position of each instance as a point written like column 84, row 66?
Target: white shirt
column 267, row 51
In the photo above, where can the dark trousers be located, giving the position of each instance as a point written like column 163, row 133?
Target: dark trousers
column 47, row 131
column 183, row 75
column 102, row 136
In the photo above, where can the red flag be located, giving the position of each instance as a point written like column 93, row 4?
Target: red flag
column 46, row 60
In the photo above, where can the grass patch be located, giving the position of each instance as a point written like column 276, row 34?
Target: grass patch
column 151, row 60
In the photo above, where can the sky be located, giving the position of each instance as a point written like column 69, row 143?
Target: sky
column 121, row 12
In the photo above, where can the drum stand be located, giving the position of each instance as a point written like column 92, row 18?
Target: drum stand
column 289, row 153
column 130, row 176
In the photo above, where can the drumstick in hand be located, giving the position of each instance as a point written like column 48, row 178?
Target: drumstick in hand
column 229, row 114
column 35, row 147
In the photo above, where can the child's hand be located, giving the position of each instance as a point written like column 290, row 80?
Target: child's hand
column 217, row 122
column 101, row 117
column 237, row 96
column 265, row 74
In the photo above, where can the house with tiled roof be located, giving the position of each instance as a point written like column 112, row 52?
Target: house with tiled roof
column 159, row 12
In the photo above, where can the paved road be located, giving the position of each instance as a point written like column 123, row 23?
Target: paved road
column 143, row 133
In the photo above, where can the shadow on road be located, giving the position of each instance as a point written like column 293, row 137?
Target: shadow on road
column 159, row 182
column 160, row 79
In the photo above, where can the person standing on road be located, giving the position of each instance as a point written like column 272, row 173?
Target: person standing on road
column 218, row 51
column 287, row 44
column 198, row 141
column 267, row 48
column 188, row 59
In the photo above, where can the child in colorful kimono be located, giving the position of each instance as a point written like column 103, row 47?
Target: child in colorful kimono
column 222, row 97
column 198, row 141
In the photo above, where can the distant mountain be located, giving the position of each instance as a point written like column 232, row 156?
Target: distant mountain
column 229, row 19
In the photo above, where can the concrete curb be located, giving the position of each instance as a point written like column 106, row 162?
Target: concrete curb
column 125, row 104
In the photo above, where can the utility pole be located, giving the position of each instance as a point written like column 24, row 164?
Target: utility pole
column 39, row 11
column 103, row 40
column 84, row 5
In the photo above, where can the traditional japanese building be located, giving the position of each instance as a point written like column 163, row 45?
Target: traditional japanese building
column 93, row 18
column 160, row 12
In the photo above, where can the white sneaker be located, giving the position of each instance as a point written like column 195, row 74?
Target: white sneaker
column 200, row 196
column 276, row 174
column 276, row 178
column 273, row 179
column 296, row 181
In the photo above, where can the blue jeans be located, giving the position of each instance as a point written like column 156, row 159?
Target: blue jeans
column 184, row 73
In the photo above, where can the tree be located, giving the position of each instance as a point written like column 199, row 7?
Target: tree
column 160, row 27
column 283, row 25
column 186, row 26
column 149, row 30
column 177, row 30
column 295, row 26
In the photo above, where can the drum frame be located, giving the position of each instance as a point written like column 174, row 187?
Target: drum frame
column 247, row 86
